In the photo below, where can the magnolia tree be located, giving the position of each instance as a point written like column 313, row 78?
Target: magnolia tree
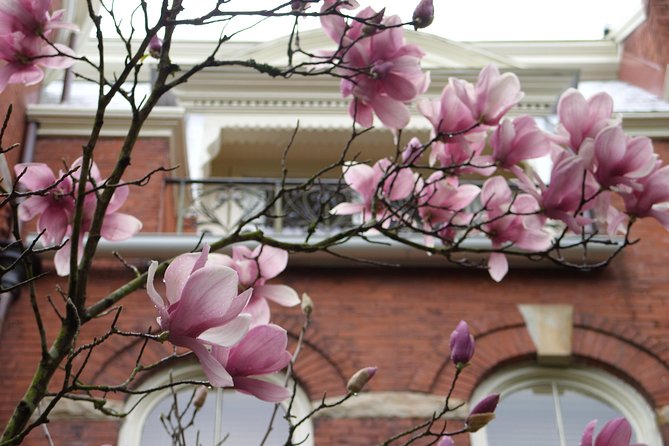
column 215, row 305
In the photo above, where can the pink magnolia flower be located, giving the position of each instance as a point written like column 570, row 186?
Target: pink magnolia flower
column 493, row 95
column 55, row 207
column 383, row 181
column 201, row 309
column 569, row 193
column 650, row 196
column 262, row 351
column 616, row 432
column 449, row 115
column 30, row 17
column 116, row 226
column 462, row 345
column 382, row 72
column 581, row 119
column 441, row 199
column 510, row 221
column 619, row 159
column 24, row 57
column 255, row 268
column 518, row 140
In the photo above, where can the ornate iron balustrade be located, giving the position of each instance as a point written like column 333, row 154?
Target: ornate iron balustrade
column 220, row 205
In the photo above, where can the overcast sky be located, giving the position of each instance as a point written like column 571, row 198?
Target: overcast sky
column 463, row 20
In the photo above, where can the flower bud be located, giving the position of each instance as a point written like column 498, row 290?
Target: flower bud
column 446, row 441
column 360, row 379
column 372, row 23
column 299, row 5
column 412, row 151
column 155, row 47
column 462, row 345
column 483, row 413
column 307, row 304
column 200, row 397
column 423, row 15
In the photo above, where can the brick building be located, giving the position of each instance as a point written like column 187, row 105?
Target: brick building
column 561, row 345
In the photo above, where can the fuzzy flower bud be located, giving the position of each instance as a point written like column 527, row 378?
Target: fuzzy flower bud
column 483, row 413
column 423, row 15
column 360, row 379
column 155, row 47
column 299, row 5
column 462, row 345
column 307, row 304
column 412, row 152
column 372, row 25
column 446, row 441
column 200, row 397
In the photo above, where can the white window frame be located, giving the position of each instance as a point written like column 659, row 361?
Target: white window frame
column 602, row 385
column 131, row 430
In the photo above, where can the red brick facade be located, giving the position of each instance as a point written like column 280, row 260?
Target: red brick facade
column 398, row 320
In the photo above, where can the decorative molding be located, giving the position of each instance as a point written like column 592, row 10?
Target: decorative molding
column 651, row 124
column 391, row 405
column 550, row 328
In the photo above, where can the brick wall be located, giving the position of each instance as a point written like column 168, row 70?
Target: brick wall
column 398, row 320
column 645, row 52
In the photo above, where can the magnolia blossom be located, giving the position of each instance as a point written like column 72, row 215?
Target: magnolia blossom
column 449, row 115
column 53, row 201
column 618, row 159
column 262, row 351
column 54, row 206
column 201, row 309
column 616, row 432
column 25, row 56
column 651, row 196
column 493, row 95
column 381, row 71
column 30, row 17
column 383, row 181
column 581, row 118
column 441, row 200
column 518, row 140
column 255, row 267
column 511, row 220
column 25, row 27
column 423, row 15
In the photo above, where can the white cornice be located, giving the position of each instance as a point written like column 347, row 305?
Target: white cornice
column 622, row 32
column 651, row 124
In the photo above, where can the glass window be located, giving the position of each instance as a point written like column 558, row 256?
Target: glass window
column 550, row 407
column 242, row 419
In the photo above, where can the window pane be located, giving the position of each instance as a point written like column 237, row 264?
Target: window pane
column 578, row 409
column 525, row 418
column 245, row 421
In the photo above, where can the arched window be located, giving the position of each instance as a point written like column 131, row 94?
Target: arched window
column 542, row 406
column 226, row 414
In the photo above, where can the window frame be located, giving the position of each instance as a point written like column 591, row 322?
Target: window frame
column 590, row 381
column 130, row 433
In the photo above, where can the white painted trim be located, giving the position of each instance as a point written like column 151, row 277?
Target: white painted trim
column 391, row 405
column 382, row 249
column 627, row 28
column 602, row 385
column 131, row 430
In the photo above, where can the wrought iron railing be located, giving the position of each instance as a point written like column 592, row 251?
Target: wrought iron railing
column 220, row 205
